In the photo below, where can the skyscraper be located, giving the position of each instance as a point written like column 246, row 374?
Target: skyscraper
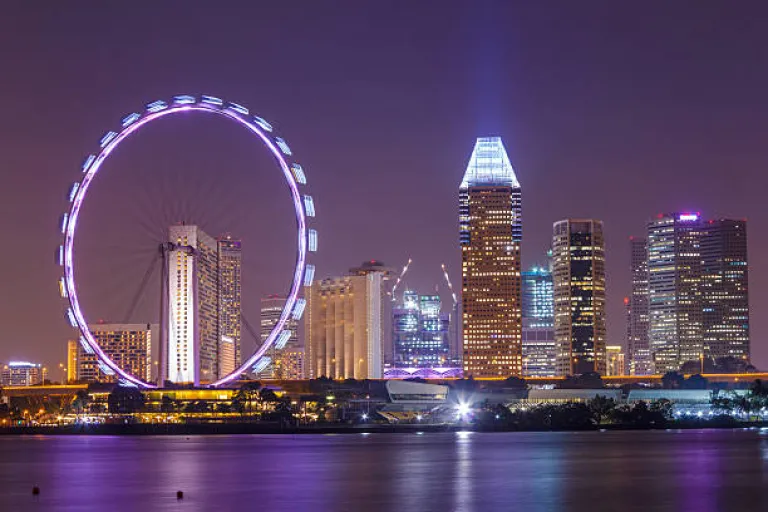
column 579, row 291
column 128, row 345
column 725, row 298
column 539, row 348
column 229, row 303
column 344, row 324
column 490, row 234
column 201, row 306
column 674, row 290
column 286, row 364
column 638, row 345
column 420, row 331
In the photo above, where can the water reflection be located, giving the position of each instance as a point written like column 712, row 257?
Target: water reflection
column 539, row 472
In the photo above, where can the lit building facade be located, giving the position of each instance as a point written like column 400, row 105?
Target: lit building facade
column 230, row 266
column 539, row 347
column 344, row 324
column 420, row 331
column 578, row 269
column 725, row 289
column 285, row 361
column 203, row 306
column 128, row 345
column 72, row 358
column 22, row 373
column 490, row 235
column 615, row 363
column 674, row 290
column 638, row 343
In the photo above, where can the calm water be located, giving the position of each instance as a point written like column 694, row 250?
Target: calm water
column 650, row 471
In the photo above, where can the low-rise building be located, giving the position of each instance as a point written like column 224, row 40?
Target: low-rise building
column 23, row 373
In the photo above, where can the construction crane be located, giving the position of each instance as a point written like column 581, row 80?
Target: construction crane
column 400, row 278
column 450, row 286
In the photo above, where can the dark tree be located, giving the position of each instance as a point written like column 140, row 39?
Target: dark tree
column 695, row 382
column 515, row 383
column 125, row 400
column 672, row 380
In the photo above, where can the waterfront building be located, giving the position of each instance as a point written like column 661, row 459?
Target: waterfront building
column 203, row 306
column 579, row 292
column 539, row 347
column 285, row 362
column 724, row 284
column 128, row 345
column 420, row 331
column 674, row 290
column 344, row 324
column 638, row 344
column 615, row 363
column 490, row 235
column 22, row 373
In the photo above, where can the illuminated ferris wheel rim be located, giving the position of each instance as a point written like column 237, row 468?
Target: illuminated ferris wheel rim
column 293, row 173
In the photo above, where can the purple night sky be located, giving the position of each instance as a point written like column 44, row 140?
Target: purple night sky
column 606, row 110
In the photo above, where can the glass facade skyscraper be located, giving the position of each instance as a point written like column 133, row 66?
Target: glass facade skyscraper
column 420, row 331
column 725, row 297
column 674, row 290
column 490, row 234
column 638, row 345
column 539, row 348
column 579, row 289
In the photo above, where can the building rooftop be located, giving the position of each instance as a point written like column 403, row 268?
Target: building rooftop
column 489, row 165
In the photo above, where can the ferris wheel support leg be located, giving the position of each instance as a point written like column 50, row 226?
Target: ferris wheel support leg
column 162, row 371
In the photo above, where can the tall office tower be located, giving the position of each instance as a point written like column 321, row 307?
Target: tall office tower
column 128, row 345
column 615, row 362
column 674, row 290
column 579, row 290
column 420, row 332
column 490, row 234
column 22, row 373
column 725, row 298
column 638, row 345
column 539, row 348
column 285, row 362
column 344, row 324
column 229, row 303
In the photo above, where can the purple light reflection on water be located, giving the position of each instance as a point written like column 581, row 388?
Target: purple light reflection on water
column 546, row 471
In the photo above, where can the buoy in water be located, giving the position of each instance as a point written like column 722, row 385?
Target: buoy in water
column 179, row 495
column 35, row 490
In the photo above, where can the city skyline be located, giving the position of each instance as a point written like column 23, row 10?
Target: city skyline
column 536, row 123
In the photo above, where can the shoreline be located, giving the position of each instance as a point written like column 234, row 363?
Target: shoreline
column 149, row 429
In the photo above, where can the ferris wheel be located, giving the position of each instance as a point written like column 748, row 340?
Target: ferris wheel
column 292, row 172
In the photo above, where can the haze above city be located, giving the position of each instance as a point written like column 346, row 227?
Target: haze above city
column 607, row 111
